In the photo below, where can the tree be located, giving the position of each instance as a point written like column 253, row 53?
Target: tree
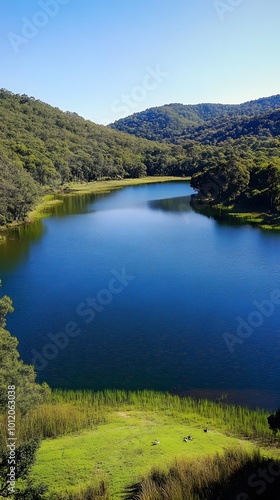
column 6, row 307
column 13, row 371
column 224, row 181
column 23, row 460
column 274, row 422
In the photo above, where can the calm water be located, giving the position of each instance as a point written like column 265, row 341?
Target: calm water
column 164, row 329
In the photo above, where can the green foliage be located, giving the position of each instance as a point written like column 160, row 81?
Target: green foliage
column 18, row 191
column 70, row 411
column 24, row 459
column 205, row 123
column 223, row 182
column 31, row 492
column 274, row 422
column 6, row 307
column 42, row 147
column 232, row 151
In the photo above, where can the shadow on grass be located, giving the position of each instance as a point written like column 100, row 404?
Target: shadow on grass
column 236, row 475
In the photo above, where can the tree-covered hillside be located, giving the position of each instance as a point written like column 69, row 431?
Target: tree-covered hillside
column 41, row 146
column 232, row 152
column 175, row 123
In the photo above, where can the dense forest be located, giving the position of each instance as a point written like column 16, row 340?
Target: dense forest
column 43, row 148
column 204, row 123
column 231, row 151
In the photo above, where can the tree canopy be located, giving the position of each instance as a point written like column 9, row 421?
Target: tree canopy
column 42, row 148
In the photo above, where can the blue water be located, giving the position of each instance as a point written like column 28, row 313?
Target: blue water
column 164, row 329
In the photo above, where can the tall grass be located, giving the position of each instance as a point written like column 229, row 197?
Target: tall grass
column 211, row 478
column 238, row 420
column 71, row 411
column 91, row 492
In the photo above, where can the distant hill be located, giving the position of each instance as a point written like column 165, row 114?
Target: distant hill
column 175, row 123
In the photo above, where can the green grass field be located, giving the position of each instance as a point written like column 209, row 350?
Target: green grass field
column 90, row 439
column 121, row 451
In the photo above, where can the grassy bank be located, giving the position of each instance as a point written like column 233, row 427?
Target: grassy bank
column 71, row 411
column 261, row 219
column 121, row 451
column 239, row 214
column 90, row 440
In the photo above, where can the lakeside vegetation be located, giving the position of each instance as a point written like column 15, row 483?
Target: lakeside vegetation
column 106, row 440
column 44, row 207
column 231, row 152
column 43, row 148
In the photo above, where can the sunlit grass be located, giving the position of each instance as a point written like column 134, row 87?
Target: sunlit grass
column 122, row 451
column 72, row 411
column 93, row 439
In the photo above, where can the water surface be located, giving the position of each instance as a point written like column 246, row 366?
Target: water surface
column 164, row 330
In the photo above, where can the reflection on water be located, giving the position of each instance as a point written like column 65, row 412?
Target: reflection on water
column 17, row 244
column 73, row 205
column 180, row 204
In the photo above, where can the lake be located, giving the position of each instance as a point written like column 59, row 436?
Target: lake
column 135, row 290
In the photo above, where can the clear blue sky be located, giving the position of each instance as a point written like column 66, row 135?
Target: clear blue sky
column 98, row 57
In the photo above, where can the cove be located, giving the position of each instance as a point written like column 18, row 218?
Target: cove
column 135, row 290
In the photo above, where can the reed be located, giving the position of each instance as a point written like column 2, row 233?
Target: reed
column 216, row 477
column 71, row 411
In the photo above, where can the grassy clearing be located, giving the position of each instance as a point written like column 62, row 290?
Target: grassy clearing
column 72, row 411
column 91, row 440
column 121, row 451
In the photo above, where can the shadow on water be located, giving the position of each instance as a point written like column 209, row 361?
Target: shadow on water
column 174, row 205
column 15, row 249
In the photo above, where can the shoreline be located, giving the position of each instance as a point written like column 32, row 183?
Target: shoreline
column 261, row 220
column 43, row 208
column 241, row 215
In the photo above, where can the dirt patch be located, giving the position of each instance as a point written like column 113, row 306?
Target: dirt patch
column 122, row 414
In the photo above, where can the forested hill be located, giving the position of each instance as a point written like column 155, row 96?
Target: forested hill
column 175, row 123
column 41, row 146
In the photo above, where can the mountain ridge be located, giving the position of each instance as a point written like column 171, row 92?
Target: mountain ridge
column 173, row 122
